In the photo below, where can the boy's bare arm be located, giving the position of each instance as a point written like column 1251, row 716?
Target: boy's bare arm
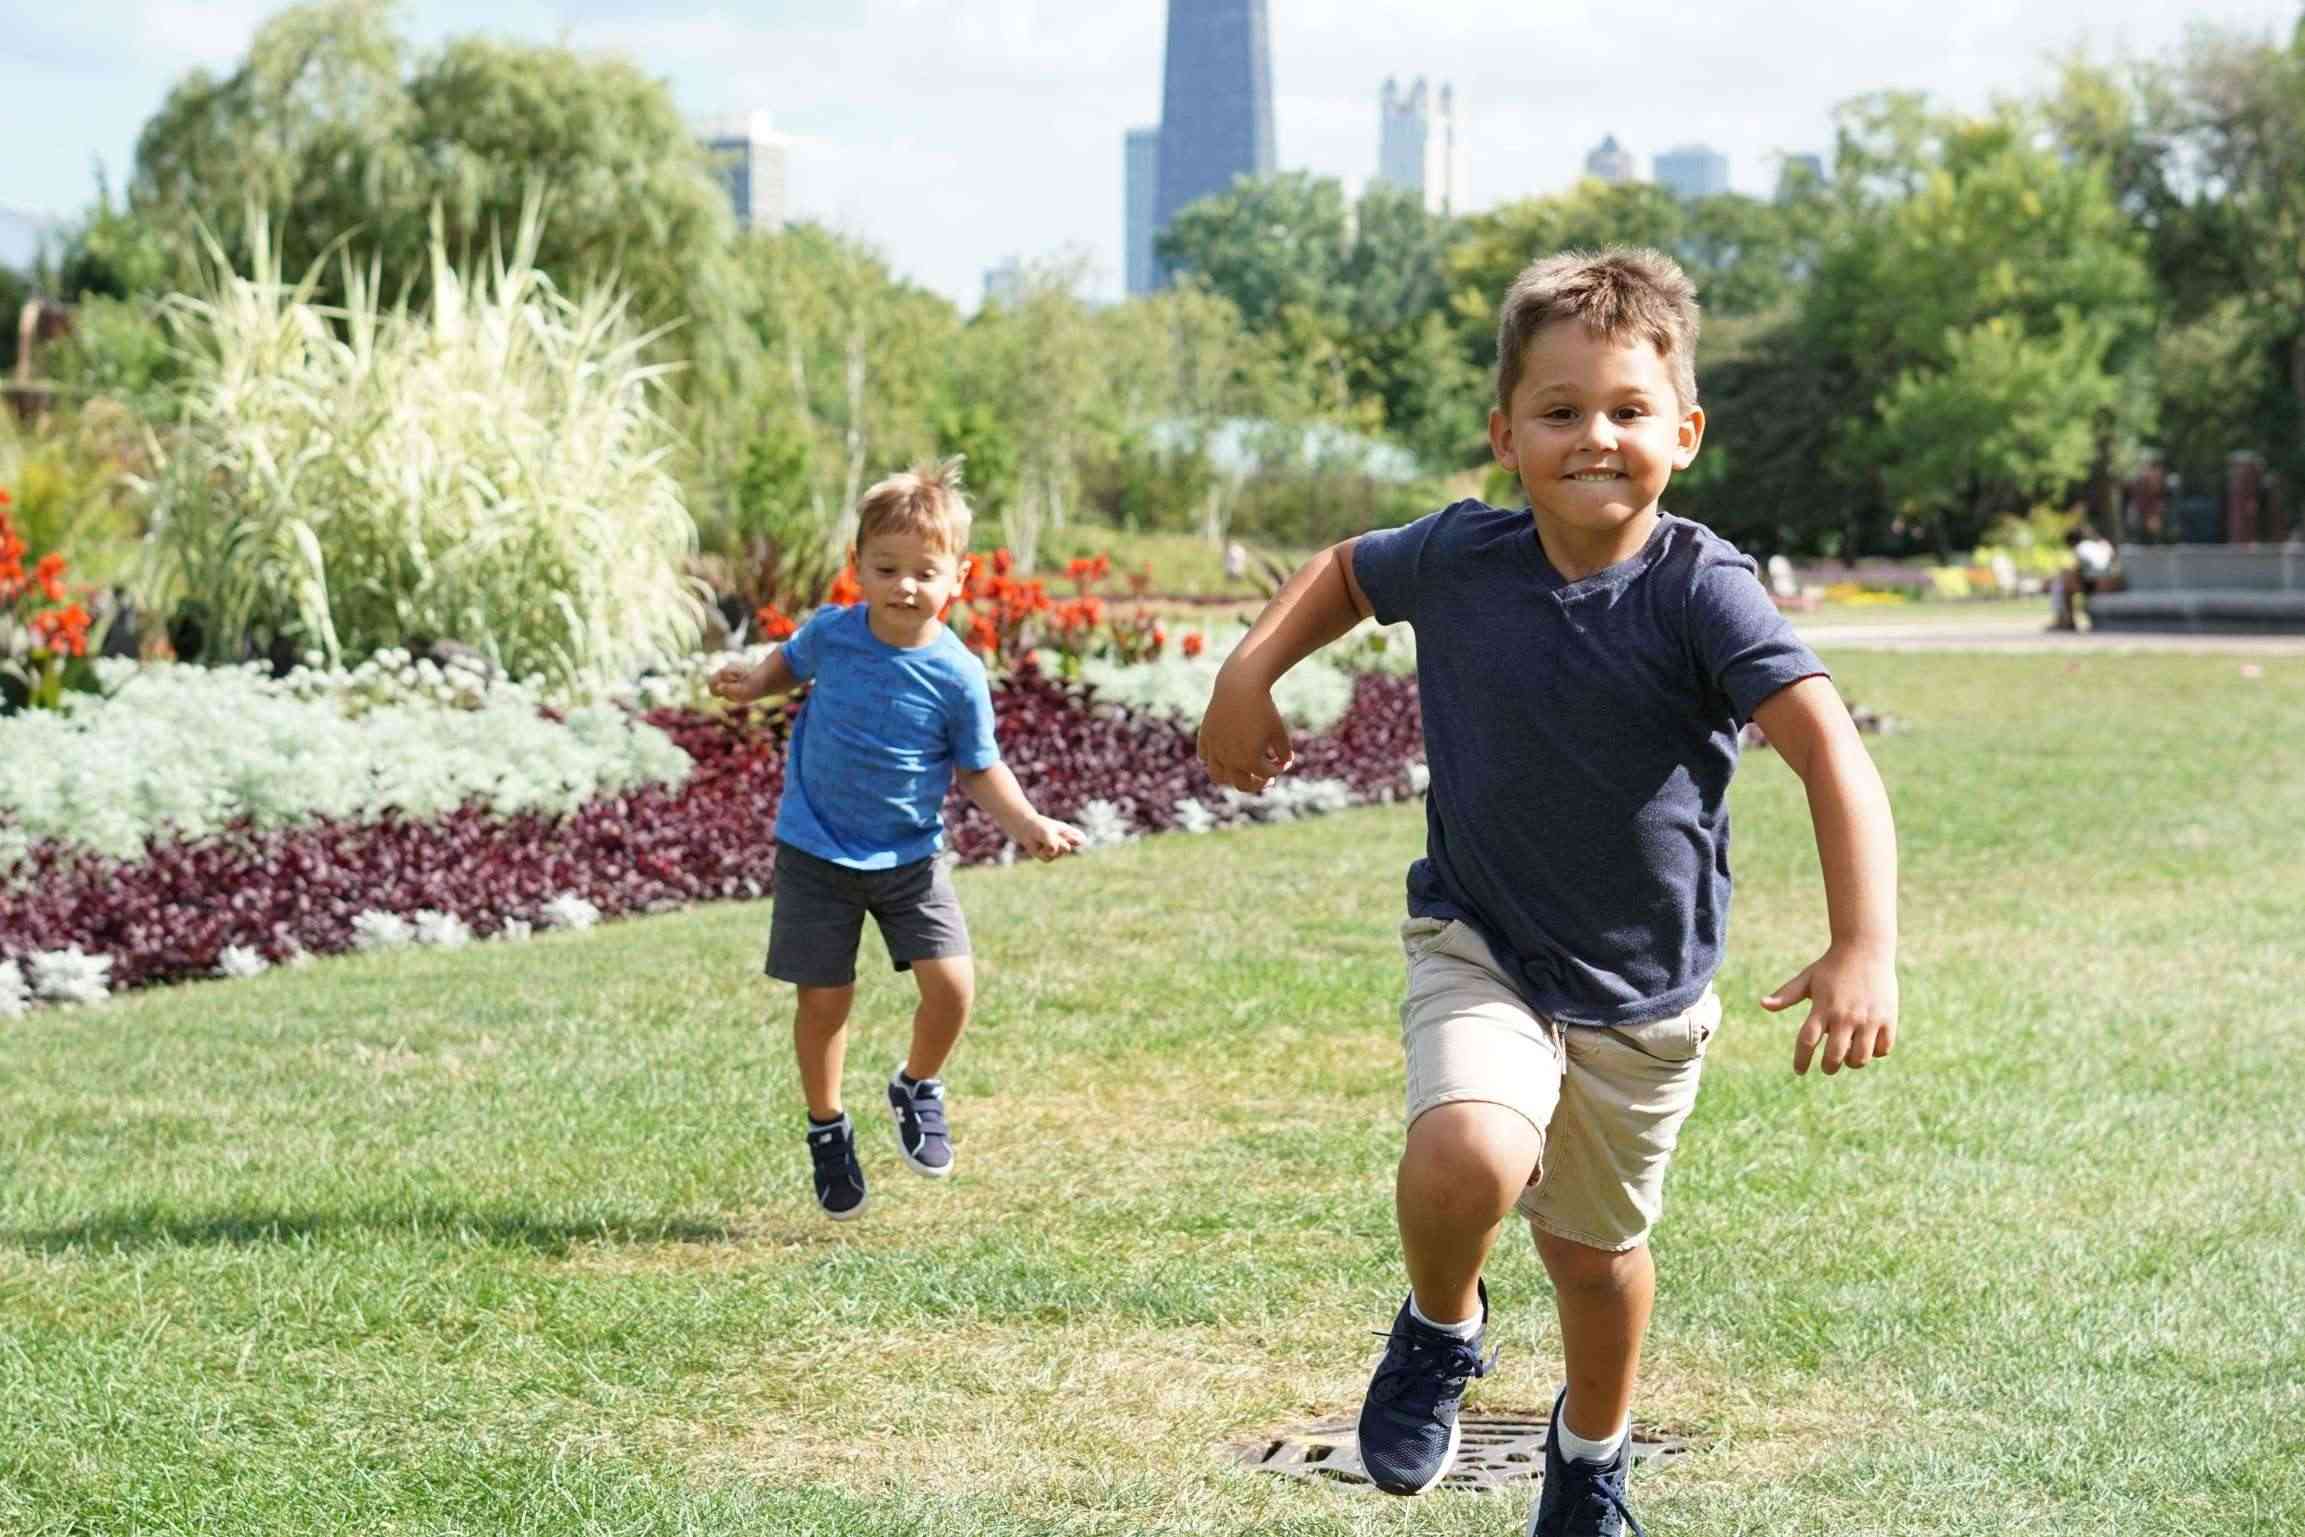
column 1242, row 738
column 1852, row 987
column 1003, row 799
column 739, row 684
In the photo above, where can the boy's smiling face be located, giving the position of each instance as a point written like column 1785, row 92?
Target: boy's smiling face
column 1595, row 431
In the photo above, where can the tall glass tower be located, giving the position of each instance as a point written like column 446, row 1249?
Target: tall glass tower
column 1216, row 101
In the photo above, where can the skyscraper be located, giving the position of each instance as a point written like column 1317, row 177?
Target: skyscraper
column 1693, row 171
column 1216, row 102
column 747, row 160
column 1611, row 161
column 1417, row 145
column 1144, row 160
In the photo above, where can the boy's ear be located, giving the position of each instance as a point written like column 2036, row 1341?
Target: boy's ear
column 1692, row 437
column 1501, row 439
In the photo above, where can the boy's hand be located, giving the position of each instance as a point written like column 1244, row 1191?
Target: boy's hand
column 737, row 683
column 1852, row 993
column 1243, row 740
column 1047, row 838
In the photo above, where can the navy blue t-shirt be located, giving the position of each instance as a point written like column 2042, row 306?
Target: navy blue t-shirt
column 1581, row 736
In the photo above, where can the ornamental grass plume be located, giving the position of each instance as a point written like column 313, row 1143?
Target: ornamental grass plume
column 491, row 469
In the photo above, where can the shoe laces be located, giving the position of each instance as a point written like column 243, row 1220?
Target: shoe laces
column 927, row 1097
column 1595, row 1492
column 1431, row 1358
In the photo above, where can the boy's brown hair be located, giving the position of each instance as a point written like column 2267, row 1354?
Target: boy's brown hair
column 924, row 500
column 1622, row 294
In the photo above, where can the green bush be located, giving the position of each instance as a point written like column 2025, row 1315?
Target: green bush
column 491, row 470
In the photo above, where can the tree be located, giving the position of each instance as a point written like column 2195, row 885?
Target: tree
column 848, row 355
column 1269, row 244
column 1966, row 251
column 333, row 132
column 2241, row 122
column 2006, row 419
column 1032, row 360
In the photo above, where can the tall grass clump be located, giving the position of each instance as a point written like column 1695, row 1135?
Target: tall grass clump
column 490, row 469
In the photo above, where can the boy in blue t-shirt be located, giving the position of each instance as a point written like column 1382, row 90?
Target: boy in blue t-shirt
column 899, row 708
column 1584, row 667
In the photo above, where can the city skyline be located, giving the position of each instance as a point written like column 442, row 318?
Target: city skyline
column 1216, row 105
column 952, row 137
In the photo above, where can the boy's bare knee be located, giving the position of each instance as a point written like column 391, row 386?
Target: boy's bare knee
column 1470, row 1145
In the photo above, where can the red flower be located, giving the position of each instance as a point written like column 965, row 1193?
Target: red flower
column 845, row 592
column 1193, row 643
column 982, row 636
column 50, row 575
column 774, row 623
column 1002, row 561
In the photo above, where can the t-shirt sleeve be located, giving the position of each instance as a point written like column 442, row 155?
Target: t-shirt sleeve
column 1747, row 649
column 969, row 725
column 1385, row 564
column 800, row 651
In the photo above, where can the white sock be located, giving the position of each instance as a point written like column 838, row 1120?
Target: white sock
column 1464, row 1331
column 1577, row 1449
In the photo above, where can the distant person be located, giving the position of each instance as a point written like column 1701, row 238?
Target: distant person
column 1584, row 666
column 900, row 708
column 1236, row 561
column 2091, row 571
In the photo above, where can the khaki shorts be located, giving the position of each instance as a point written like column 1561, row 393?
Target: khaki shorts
column 1607, row 1103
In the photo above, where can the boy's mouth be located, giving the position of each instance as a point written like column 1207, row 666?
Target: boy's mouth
column 1597, row 477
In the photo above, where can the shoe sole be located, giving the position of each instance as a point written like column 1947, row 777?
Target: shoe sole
column 1448, row 1460
column 896, row 1118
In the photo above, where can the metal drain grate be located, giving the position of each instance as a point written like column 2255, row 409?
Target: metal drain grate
column 1494, row 1451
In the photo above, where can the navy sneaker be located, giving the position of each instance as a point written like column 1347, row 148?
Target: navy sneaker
column 921, row 1133
column 1582, row 1499
column 1408, row 1423
column 839, row 1177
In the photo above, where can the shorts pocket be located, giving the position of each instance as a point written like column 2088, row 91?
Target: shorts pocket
column 1420, row 937
column 1680, row 1037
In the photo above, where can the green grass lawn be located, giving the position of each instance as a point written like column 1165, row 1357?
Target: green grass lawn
column 518, row 1239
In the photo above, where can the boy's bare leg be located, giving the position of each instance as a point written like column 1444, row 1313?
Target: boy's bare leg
column 820, row 1041
column 947, row 992
column 1464, row 1167
column 1604, row 1300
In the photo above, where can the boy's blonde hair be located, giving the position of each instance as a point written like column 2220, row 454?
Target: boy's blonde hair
column 925, row 500
column 1622, row 294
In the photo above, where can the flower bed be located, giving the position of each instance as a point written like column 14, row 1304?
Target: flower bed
column 231, row 899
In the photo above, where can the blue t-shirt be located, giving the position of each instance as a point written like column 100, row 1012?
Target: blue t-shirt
column 1581, row 736
column 874, row 751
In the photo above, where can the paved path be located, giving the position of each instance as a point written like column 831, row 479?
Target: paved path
column 2029, row 636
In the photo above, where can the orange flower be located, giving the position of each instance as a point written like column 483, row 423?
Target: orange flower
column 774, row 623
column 63, row 631
column 845, row 592
column 982, row 636
column 1002, row 561
column 1193, row 643
column 50, row 575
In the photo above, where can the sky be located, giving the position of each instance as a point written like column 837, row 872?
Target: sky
column 956, row 135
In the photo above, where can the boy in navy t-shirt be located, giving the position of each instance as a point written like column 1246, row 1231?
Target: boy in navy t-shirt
column 1584, row 667
column 899, row 708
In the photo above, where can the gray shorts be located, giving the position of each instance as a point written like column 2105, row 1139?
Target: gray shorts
column 818, row 919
